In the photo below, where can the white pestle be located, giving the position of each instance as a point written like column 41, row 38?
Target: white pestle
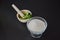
column 17, row 10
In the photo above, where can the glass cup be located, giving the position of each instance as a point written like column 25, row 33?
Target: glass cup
column 33, row 33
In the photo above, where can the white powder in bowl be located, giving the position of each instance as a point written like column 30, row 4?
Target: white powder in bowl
column 36, row 26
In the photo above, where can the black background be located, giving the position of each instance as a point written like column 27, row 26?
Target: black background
column 12, row 29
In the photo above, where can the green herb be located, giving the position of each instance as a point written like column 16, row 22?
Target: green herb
column 26, row 16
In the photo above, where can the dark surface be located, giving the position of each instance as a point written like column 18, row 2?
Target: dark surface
column 12, row 29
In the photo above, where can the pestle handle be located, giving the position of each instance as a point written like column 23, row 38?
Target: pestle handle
column 17, row 10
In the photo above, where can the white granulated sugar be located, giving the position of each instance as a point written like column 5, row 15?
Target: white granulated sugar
column 36, row 25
